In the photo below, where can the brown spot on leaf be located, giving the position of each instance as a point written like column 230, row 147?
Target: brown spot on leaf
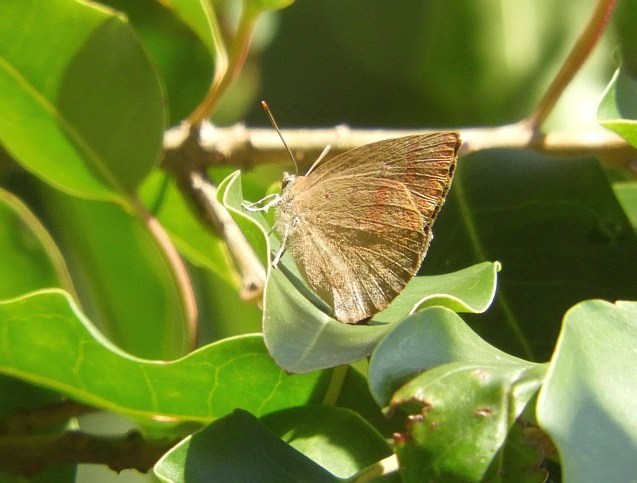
column 483, row 412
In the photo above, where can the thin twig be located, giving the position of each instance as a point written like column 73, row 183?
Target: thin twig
column 573, row 63
column 185, row 160
column 250, row 269
column 179, row 272
column 226, row 69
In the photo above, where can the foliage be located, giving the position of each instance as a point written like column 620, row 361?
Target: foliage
column 509, row 358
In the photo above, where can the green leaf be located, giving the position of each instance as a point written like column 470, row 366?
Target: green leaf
column 556, row 227
column 253, row 225
column 260, row 6
column 30, row 258
column 237, row 448
column 624, row 19
column 292, row 313
column 462, row 413
column 177, row 36
column 337, row 439
column 202, row 386
column 124, row 282
column 428, row 339
column 587, row 402
column 626, row 193
column 618, row 108
column 88, row 97
column 321, row 341
column 196, row 14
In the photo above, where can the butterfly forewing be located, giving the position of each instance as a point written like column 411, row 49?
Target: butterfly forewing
column 359, row 225
column 424, row 163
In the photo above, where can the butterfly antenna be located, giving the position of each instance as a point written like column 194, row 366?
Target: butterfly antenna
column 278, row 131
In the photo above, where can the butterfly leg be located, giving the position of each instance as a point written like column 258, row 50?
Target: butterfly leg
column 281, row 251
column 264, row 204
column 277, row 257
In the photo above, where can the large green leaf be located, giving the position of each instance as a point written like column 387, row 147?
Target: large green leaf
column 82, row 106
column 587, row 403
column 556, row 227
column 196, row 13
column 122, row 276
column 48, row 341
column 291, row 312
column 237, row 449
column 618, row 107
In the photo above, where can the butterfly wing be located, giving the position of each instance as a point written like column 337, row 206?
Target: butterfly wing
column 424, row 163
column 357, row 241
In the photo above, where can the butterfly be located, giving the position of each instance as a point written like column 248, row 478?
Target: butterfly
column 358, row 225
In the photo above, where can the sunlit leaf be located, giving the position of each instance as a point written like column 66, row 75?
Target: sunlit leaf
column 47, row 341
column 587, row 404
column 93, row 129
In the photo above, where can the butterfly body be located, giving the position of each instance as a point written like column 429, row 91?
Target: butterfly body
column 359, row 225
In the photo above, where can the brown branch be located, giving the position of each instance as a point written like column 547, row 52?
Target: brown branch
column 244, row 147
column 31, row 455
column 25, row 421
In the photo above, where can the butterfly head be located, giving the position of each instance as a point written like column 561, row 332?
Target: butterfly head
column 288, row 180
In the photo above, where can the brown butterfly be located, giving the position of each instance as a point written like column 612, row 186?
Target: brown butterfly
column 359, row 225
